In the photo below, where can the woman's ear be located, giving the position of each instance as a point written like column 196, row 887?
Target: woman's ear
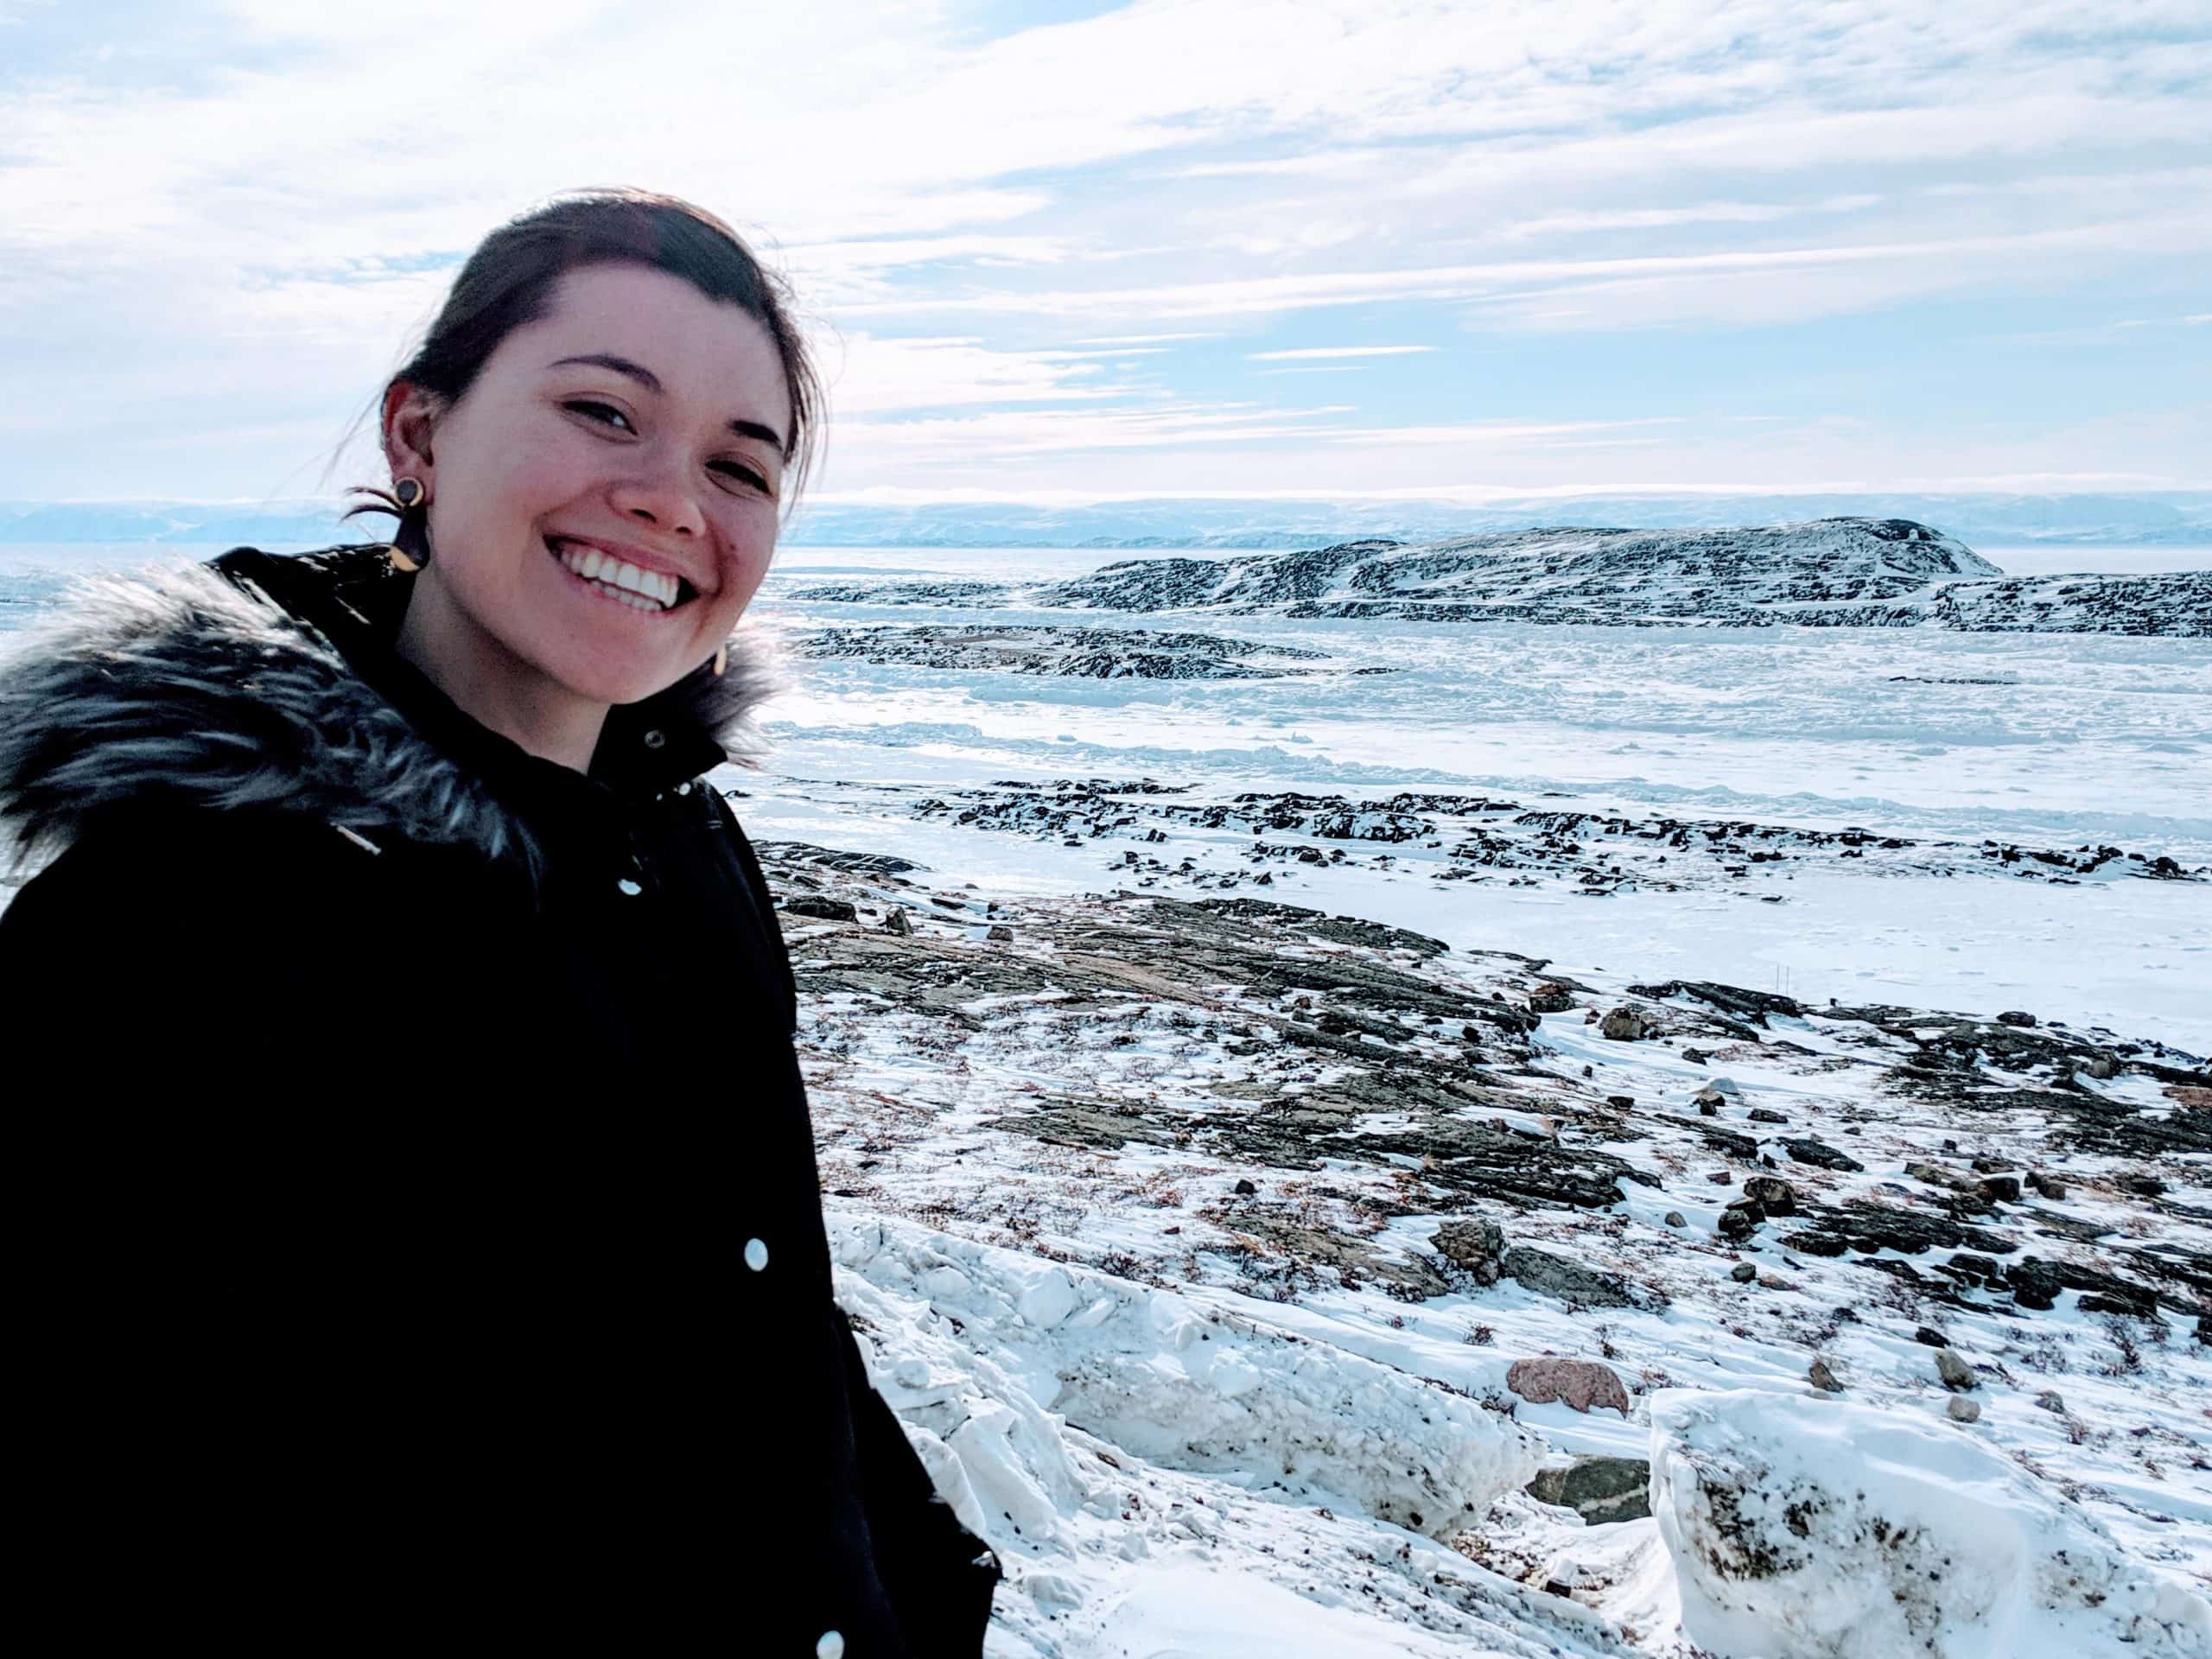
column 410, row 413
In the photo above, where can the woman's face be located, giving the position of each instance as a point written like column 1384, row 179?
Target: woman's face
column 603, row 498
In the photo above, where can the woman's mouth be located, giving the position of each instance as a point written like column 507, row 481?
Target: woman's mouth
column 611, row 578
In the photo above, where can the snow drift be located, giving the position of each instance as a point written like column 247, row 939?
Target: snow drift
column 1806, row 1528
column 1039, row 1345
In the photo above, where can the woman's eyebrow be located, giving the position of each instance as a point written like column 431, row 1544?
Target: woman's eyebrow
column 645, row 378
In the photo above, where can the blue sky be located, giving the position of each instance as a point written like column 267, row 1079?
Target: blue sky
column 1071, row 251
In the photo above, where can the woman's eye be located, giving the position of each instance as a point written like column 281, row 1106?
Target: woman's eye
column 746, row 474
column 587, row 405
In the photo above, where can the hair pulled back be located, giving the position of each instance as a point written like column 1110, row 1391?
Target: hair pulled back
column 508, row 281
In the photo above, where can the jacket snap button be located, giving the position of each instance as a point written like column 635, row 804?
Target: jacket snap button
column 655, row 738
column 629, row 888
column 756, row 1258
column 683, row 789
column 831, row 1646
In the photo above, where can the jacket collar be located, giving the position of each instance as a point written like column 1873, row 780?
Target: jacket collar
column 270, row 680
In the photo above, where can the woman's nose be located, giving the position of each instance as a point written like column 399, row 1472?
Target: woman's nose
column 659, row 495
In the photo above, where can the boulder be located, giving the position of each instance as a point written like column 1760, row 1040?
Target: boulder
column 1955, row 1372
column 1805, row 1527
column 1822, row 1378
column 1475, row 1245
column 1624, row 1025
column 1744, row 1273
column 1598, row 1488
column 1583, row 1385
column 1773, row 1194
column 1963, row 1410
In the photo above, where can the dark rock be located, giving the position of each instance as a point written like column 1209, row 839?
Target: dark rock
column 1000, row 931
column 1598, row 1488
column 1675, row 1218
column 1624, row 1025
column 1554, row 1275
column 1549, row 998
column 2015, row 1017
column 831, row 858
column 1515, row 1022
column 1753, row 1006
column 1743, row 1273
column 1708, row 1104
column 2049, row 1400
column 2143, row 1186
column 2035, row 1284
column 1620, row 1103
column 1740, row 1219
column 1822, row 1378
column 2049, row 1188
column 1765, row 1115
column 1820, row 1155
column 1696, row 1056
column 1245, row 1189
column 895, row 921
column 1864, row 1224
column 1772, row 1193
column 2001, row 1189
column 1987, row 1165
column 829, row 909
column 1930, row 1337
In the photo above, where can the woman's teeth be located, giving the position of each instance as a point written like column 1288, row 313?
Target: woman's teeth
column 644, row 591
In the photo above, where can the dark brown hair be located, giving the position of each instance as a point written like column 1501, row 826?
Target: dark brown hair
column 509, row 281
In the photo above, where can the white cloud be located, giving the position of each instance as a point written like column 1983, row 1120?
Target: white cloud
column 1338, row 351
column 242, row 249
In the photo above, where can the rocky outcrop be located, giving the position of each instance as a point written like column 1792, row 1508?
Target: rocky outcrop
column 1828, row 572
column 1082, row 653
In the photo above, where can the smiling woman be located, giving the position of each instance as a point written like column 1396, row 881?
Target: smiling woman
column 431, row 1230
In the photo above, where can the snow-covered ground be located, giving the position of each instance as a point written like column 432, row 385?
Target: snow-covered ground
column 1203, row 1243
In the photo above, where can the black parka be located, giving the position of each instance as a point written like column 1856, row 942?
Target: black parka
column 421, row 1232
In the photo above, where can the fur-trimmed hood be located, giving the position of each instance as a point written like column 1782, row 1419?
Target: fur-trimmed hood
column 267, row 681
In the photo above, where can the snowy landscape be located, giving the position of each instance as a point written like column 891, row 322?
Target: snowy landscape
column 1590, row 1092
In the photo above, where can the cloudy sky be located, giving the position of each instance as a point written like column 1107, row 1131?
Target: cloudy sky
column 1068, row 251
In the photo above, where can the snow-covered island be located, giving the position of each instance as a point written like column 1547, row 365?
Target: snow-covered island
column 1827, row 573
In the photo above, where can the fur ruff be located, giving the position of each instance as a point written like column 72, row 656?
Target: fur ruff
column 180, row 688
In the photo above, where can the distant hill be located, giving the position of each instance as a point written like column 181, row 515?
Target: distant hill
column 1825, row 573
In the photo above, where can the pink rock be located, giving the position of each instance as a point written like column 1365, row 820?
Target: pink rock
column 1581, row 1382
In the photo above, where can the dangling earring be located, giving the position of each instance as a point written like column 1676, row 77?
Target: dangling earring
column 721, row 660
column 411, row 495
